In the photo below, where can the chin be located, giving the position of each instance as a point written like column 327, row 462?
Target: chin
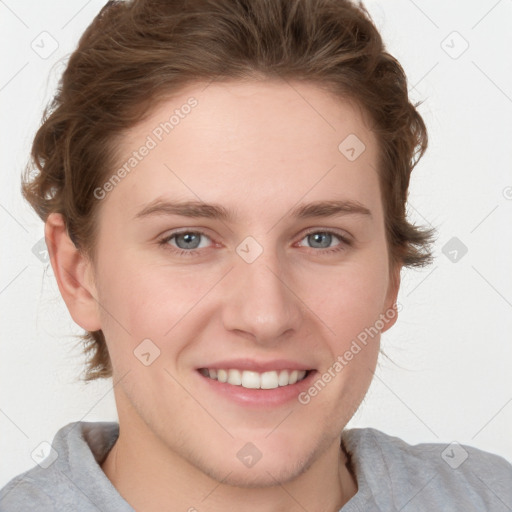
column 269, row 474
column 256, row 465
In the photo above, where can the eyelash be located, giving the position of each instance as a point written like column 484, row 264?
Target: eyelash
column 164, row 242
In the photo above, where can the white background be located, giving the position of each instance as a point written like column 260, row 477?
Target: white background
column 451, row 375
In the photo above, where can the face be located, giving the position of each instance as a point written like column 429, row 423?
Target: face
column 244, row 240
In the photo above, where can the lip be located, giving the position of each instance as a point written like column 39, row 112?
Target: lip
column 257, row 398
column 257, row 366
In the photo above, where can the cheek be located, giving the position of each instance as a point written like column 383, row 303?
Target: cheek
column 140, row 300
column 347, row 299
column 349, row 309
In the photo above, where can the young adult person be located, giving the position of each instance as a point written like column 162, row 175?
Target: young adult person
column 223, row 185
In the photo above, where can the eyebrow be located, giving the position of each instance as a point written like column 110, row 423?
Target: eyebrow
column 198, row 209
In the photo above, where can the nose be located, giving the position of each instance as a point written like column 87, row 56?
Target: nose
column 260, row 303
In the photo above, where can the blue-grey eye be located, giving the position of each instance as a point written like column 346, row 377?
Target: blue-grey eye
column 320, row 240
column 187, row 240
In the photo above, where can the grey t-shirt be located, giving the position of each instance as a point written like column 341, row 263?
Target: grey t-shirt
column 391, row 475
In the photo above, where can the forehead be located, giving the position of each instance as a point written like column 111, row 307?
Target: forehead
column 250, row 142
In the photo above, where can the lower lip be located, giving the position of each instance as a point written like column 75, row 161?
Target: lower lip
column 259, row 397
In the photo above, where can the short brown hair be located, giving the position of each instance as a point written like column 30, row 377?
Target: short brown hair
column 135, row 53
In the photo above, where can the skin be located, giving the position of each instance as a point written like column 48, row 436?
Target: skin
column 259, row 148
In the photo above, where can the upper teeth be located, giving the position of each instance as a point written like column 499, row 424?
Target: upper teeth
column 255, row 380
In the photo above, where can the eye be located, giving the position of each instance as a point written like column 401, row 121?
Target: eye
column 185, row 242
column 323, row 240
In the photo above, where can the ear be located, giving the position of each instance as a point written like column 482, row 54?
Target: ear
column 391, row 311
column 73, row 272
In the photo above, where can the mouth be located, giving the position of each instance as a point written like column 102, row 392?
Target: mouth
column 255, row 380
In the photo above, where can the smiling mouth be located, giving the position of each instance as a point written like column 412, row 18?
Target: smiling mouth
column 256, row 380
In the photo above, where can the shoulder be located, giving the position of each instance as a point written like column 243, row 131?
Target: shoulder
column 436, row 474
column 25, row 493
column 69, row 471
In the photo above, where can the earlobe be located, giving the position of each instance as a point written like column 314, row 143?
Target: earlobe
column 73, row 273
